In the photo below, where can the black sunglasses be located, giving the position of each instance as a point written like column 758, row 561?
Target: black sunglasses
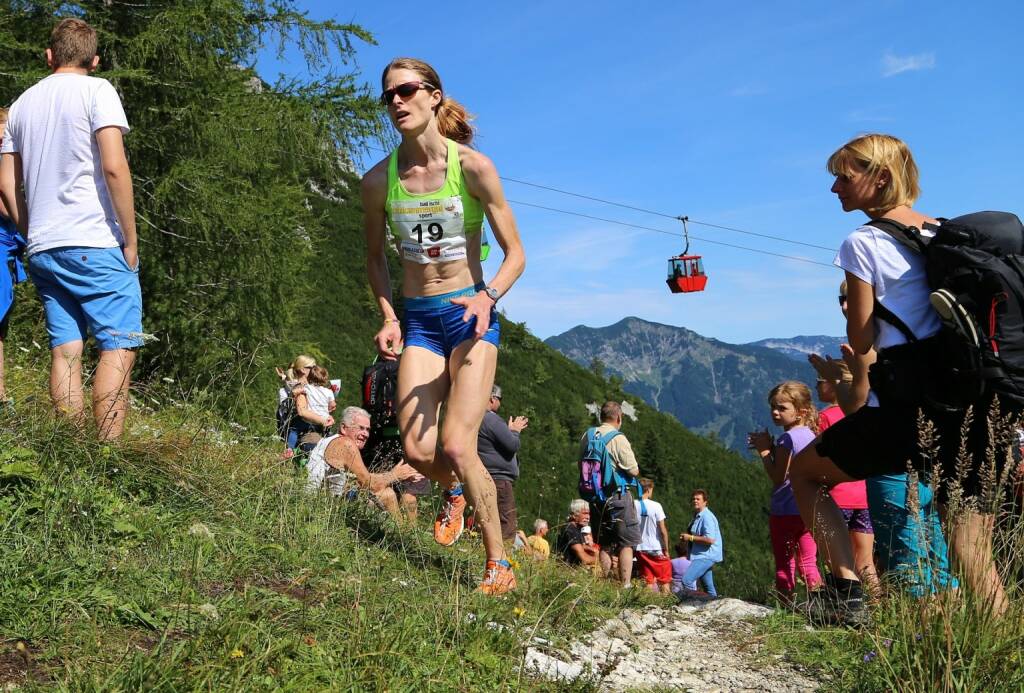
column 405, row 90
column 842, row 299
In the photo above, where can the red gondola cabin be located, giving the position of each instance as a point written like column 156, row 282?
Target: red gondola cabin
column 686, row 274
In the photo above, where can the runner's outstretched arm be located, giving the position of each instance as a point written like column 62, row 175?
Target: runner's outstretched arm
column 374, row 196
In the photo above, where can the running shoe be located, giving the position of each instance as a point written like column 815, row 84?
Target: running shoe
column 498, row 579
column 952, row 312
column 449, row 523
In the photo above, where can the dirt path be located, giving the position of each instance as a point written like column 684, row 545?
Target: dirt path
column 690, row 646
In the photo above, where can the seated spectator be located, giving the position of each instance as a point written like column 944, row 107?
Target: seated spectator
column 652, row 551
column 536, row 544
column 570, row 544
column 680, row 564
column 313, row 405
column 289, row 427
column 336, row 462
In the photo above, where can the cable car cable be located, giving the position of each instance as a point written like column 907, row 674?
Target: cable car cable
column 672, row 233
column 667, row 216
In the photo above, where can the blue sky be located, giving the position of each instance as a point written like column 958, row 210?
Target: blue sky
column 723, row 112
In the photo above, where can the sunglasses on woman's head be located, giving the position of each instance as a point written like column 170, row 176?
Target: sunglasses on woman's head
column 405, row 90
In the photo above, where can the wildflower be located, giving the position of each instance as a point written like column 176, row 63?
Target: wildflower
column 518, row 611
column 237, row 654
column 918, row 637
column 201, row 531
column 209, row 611
column 870, row 655
column 887, row 643
column 514, row 563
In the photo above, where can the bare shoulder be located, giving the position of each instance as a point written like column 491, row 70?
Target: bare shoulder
column 476, row 164
column 341, row 447
column 375, row 181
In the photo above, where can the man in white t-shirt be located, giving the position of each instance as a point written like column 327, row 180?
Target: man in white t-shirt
column 652, row 555
column 65, row 177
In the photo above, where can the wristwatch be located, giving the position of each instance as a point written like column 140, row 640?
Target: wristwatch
column 492, row 293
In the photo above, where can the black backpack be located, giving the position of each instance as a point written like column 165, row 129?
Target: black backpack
column 380, row 386
column 975, row 269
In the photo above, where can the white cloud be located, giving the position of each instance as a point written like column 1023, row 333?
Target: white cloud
column 895, row 64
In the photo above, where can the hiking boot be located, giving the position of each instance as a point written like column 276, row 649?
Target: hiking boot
column 838, row 602
column 450, row 522
column 952, row 312
column 498, row 579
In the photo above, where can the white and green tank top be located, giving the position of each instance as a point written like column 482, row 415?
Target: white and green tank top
column 433, row 227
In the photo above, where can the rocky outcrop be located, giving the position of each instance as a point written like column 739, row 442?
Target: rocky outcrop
column 690, row 646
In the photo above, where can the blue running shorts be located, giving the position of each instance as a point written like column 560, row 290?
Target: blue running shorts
column 435, row 323
column 89, row 291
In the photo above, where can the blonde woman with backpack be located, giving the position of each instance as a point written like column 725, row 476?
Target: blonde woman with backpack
column 887, row 285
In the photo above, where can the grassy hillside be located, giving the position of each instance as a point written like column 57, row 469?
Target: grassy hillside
column 188, row 558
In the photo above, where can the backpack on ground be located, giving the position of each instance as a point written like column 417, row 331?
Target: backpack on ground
column 975, row 269
column 599, row 477
column 380, row 388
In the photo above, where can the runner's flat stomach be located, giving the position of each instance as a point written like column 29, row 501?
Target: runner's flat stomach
column 443, row 277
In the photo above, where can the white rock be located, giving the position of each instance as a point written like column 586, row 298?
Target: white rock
column 550, row 667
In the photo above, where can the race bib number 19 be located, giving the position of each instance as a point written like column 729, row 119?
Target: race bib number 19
column 430, row 230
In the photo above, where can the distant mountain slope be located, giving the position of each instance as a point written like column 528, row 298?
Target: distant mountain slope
column 710, row 386
column 797, row 348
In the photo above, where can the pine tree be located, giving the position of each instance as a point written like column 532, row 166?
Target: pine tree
column 228, row 169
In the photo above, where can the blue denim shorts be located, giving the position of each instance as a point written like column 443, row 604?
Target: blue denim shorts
column 435, row 323
column 89, row 291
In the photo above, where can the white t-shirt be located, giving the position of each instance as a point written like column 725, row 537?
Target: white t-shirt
column 319, row 399
column 897, row 274
column 650, row 535
column 52, row 126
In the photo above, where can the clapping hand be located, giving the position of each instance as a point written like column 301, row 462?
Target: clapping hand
column 761, row 441
column 828, row 368
column 517, row 423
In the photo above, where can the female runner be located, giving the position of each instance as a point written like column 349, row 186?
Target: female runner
column 433, row 192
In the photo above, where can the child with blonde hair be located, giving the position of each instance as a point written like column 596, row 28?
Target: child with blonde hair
column 792, row 544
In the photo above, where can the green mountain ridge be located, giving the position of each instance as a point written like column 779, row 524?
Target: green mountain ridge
column 711, row 387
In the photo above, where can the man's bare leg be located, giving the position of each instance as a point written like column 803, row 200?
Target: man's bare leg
column 410, row 506
column 66, row 380
column 110, row 391
column 626, row 565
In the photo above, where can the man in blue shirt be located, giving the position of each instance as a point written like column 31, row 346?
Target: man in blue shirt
column 705, row 539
